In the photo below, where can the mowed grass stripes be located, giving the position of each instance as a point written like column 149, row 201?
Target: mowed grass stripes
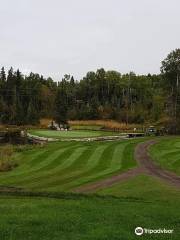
column 62, row 166
column 167, row 153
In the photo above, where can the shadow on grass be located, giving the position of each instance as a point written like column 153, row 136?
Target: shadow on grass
column 18, row 192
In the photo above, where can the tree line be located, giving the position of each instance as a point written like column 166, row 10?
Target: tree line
column 101, row 94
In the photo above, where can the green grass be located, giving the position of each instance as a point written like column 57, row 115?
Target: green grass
column 62, row 166
column 167, row 153
column 142, row 201
column 86, row 127
column 113, row 213
column 71, row 133
column 142, row 187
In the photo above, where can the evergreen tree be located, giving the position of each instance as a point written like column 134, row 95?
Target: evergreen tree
column 2, row 76
column 32, row 114
column 61, row 106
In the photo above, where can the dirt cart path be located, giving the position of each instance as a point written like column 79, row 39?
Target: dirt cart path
column 109, row 181
column 146, row 166
column 151, row 168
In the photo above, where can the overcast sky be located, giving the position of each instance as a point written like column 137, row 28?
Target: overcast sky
column 55, row 37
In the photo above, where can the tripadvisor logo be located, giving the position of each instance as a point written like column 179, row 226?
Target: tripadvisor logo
column 140, row 231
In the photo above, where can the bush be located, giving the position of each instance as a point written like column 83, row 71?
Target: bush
column 7, row 166
column 6, row 158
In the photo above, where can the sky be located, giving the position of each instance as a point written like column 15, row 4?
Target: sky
column 57, row 37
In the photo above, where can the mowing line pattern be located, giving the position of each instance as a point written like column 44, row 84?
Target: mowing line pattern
column 167, row 154
column 62, row 166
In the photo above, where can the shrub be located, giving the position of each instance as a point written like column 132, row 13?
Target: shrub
column 7, row 162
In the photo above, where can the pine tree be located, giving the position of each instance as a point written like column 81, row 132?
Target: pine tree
column 32, row 114
column 2, row 76
column 61, row 107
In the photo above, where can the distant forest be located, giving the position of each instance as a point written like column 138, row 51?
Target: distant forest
column 128, row 98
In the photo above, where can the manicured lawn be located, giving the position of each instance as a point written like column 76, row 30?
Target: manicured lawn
column 113, row 213
column 71, row 133
column 167, row 153
column 143, row 187
column 141, row 201
column 62, row 166
column 86, row 127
